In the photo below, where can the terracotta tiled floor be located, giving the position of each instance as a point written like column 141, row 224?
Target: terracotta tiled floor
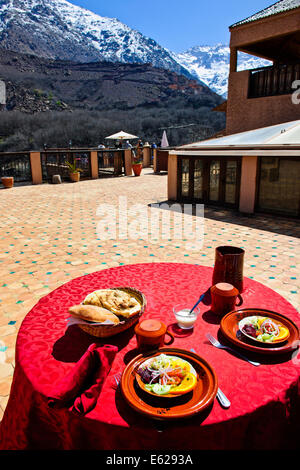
column 49, row 236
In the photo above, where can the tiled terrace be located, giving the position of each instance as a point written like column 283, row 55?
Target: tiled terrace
column 49, row 236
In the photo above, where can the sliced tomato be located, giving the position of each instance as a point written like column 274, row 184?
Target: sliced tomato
column 174, row 381
column 177, row 373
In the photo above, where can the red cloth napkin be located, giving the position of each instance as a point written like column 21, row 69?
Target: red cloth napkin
column 83, row 384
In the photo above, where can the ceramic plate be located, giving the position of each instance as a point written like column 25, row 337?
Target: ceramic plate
column 168, row 395
column 230, row 329
column 182, row 406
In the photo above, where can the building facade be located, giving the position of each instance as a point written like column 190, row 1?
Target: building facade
column 255, row 167
column 263, row 97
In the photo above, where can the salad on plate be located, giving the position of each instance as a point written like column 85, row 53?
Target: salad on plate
column 166, row 375
column 263, row 329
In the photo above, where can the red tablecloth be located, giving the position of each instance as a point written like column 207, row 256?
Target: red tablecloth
column 264, row 413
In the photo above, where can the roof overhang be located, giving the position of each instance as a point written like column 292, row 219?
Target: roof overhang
column 277, row 8
column 272, row 36
column 240, row 151
column 285, row 48
column 283, row 136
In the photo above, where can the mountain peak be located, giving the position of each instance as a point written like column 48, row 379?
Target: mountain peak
column 210, row 64
column 57, row 29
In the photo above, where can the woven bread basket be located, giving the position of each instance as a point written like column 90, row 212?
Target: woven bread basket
column 104, row 331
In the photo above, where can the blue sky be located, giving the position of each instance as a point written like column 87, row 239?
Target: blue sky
column 178, row 24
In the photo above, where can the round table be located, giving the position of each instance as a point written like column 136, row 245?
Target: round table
column 264, row 400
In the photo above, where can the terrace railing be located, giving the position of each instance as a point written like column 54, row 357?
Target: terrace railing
column 38, row 166
column 273, row 80
column 111, row 162
column 54, row 162
column 16, row 164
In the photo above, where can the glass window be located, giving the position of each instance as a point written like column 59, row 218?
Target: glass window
column 214, row 180
column 185, row 177
column 230, row 181
column 279, row 188
column 198, row 179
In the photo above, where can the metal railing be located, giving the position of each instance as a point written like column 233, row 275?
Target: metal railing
column 16, row 164
column 273, row 80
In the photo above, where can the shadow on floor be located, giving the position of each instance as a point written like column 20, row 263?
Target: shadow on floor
column 159, row 173
column 264, row 222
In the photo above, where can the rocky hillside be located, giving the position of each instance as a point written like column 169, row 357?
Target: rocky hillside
column 52, row 102
column 31, row 101
column 39, row 84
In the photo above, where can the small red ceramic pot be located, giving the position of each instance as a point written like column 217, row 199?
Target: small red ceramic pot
column 7, row 181
column 224, row 298
column 150, row 334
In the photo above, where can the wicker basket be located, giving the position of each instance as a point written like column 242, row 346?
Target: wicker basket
column 104, row 331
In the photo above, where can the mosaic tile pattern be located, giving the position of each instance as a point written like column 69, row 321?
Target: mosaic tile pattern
column 49, row 236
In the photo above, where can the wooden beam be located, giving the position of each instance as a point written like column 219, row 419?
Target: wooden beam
column 233, row 59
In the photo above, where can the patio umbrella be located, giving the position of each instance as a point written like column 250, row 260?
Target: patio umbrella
column 122, row 135
column 164, row 140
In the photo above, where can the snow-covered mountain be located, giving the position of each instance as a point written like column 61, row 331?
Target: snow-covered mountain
column 210, row 64
column 57, row 29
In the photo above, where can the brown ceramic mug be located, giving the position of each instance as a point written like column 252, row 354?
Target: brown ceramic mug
column 229, row 265
column 150, row 334
column 224, row 298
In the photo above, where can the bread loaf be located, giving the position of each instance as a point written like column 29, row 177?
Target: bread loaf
column 117, row 301
column 93, row 313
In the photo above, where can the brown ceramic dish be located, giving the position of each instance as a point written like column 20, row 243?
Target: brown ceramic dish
column 230, row 329
column 163, row 408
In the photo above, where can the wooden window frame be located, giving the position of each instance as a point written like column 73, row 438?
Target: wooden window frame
column 206, row 166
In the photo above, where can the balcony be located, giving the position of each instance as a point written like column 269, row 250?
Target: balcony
column 273, row 80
